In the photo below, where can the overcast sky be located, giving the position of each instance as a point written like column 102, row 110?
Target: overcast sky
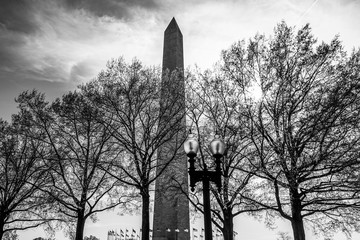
column 55, row 45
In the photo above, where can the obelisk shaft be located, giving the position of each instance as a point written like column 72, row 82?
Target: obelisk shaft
column 173, row 57
column 171, row 206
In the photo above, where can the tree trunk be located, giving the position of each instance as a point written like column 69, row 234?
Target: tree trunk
column 2, row 225
column 297, row 220
column 80, row 224
column 145, row 224
column 228, row 230
column 298, row 229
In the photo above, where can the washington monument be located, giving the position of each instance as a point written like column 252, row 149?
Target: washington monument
column 171, row 207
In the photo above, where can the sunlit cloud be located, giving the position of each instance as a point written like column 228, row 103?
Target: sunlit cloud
column 64, row 39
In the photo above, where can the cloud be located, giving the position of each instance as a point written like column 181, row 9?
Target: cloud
column 18, row 16
column 81, row 71
column 50, row 39
column 121, row 9
column 45, row 44
column 71, row 40
column 55, row 40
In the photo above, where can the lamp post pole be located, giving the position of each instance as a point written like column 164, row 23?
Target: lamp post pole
column 207, row 209
column 217, row 148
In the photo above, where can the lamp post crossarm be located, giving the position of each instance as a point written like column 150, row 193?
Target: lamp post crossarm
column 200, row 175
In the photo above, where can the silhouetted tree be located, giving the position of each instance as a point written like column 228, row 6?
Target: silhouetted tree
column 77, row 144
column 129, row 96
column 213, row 107
column 283, row 236
column 305, row 129
column 91, row 238
column 41, row 238
column 22, row 172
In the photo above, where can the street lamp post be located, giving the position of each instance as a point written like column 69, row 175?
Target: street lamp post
column 217, row 148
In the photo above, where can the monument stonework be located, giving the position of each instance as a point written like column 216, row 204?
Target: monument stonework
column 171, row 207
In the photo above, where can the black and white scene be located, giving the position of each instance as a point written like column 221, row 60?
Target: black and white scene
column 179, row 120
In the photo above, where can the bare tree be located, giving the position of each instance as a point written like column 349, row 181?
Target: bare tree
column 283, row 236
column 305, row 128
column 133, row 108
column 213, row 107
column 22, row 172
column 91, row 238
column 77, row 144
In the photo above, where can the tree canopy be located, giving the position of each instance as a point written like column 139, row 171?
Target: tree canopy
column 76, row 145
column 141, row 121
column 304, row 131
column 22, row 172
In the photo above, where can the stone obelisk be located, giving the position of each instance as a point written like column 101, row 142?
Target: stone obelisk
column 171, row 207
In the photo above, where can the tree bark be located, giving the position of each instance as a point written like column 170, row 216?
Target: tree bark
column 145, row 225
column 1, row 231
column 2, row 225
column 80, row 224
column 298, row 229
column 297, row 220
column 228, row 229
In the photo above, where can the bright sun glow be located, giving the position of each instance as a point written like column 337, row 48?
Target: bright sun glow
column 255, row 92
